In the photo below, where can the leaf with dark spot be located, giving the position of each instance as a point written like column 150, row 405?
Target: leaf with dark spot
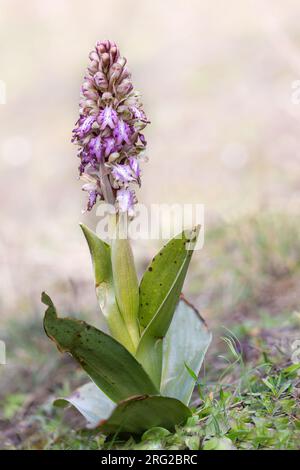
column 160, row 292
column 113, row 369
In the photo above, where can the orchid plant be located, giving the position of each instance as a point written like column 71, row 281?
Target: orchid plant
column 142, row 373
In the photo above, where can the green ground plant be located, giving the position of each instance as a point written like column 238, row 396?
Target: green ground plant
column 253, row 404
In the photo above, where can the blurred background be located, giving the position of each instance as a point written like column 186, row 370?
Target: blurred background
column 217, row 81
column 221, row 85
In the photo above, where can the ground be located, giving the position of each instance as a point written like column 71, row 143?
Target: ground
column 246, row 283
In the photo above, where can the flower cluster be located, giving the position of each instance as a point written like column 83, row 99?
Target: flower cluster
column 108, row 132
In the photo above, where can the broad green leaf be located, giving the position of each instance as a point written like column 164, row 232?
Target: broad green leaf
column 162, row 274
column 139, row 414
column 91, row 402
column 125, row 281
column 159, row 292
column 113, row 369
column 100, row 254
column 184, row 348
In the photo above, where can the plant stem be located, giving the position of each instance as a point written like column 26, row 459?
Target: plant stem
column 125, row 279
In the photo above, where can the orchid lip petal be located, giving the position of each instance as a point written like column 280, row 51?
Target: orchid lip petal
column 86, row 126
column 122, row 132
column 110, row 146
column 126, row 201
column 135, row 167
column 96, row 147
column 108, row 118
column 92, row 200
column 122, row 173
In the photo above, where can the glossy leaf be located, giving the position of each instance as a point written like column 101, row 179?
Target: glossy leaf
column 159, row 291
column 101, row 259
column 113, row 369
column 91, row 402
column 139, row 414
column 184, row 347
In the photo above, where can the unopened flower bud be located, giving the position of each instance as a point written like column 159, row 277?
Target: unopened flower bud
column 91, row 94
column 115, row 72
column 93, row 56
column 114, row 53
column 124, row 88
column 100, row 81
column 93, row 67
column 105, row 61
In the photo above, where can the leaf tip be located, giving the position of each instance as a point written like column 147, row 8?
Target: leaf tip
column 60, row 403
column 46, row 299
column 84, row 228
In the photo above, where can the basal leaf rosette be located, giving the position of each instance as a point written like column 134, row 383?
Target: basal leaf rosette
column 129, row 393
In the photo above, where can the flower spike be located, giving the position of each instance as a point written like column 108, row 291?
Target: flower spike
column 108, row 131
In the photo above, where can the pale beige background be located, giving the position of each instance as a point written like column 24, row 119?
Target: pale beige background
column 216, row 79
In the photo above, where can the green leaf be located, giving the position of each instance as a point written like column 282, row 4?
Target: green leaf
column 291, row 370
column 219, row 443
column 155, row 433
column 91, row 402
column 113, row 369
column 184, row 348
column 101, row 258
column 125, row 282
column 100, row 253
column 159, row 292
column 139, row 414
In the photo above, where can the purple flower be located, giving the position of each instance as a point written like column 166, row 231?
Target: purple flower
column 142, row 139
column 138, row 113
column 92, row 200
column 135, row 167
column 85, row 160
column 122, row 173
column 107, row 118
column 86, row 126
column 96, row 147
column 111, row 119
column 92, row 192
column 110, row 145
column 126, row 200
column 122, row 132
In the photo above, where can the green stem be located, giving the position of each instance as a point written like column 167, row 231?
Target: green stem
column 125, row 279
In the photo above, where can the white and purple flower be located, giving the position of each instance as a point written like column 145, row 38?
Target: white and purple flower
column 126, row 200
column 107, row 118
column 96, row 147
column 108, row 132
column 122, row 173
column 122, row 132
column 135, row 167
